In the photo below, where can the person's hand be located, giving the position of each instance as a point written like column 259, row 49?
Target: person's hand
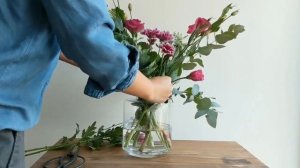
column 155, row 90
column 161, row 88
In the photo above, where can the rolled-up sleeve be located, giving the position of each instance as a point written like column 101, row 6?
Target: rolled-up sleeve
column 84, row 30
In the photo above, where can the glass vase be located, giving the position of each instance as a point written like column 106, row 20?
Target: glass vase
column 146, row 128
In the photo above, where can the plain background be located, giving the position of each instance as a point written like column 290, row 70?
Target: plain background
column 255, row 80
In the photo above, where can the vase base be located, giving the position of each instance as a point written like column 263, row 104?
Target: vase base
column 146, row 153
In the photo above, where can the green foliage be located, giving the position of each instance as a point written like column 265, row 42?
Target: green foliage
column 200, row 113
column 231, row 34
column 188, row 66
column 203, row 103
column 211, row 118
column 118, row 14
column 91, row 137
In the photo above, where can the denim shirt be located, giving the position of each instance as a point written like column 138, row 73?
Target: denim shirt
column 32, row 35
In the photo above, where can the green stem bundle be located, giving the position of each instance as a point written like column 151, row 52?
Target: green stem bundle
column 143, row 129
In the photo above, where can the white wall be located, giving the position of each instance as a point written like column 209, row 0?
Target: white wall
column 255, row 79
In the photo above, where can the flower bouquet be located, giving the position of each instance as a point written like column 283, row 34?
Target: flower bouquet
column 169, row 54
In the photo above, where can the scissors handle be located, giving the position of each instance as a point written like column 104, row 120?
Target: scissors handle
column 68, row 160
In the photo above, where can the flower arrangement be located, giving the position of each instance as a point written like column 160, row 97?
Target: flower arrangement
column 169, row 54
column 161, row 54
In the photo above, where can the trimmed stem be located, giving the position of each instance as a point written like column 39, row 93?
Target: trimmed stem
column 179, row 79
column 148, row 133
column 46, row 148
column 134, row 130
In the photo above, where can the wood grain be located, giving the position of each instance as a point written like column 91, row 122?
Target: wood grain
column 185, row 154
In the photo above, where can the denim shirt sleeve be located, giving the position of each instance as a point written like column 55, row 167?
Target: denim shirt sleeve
column 84, row 31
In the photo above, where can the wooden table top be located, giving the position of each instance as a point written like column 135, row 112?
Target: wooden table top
column 184, row 154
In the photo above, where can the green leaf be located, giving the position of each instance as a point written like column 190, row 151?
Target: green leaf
column 101, row 128
column 192, row 50
column 206, row 50
column 176, row 65
column 188, row 91
column 215, row 46
column 119, row 24
column 195, row 89
column 179, row 72
column 236, row 28
column 154, row 55
column 148, row 62
column 231, row 28
column 225, row 37
column 188, row 66
column 200, row 113
column 216, row 25
column 198, row 61
column 211, row 118
column 89, row 132
column 239, row 29
column 144, row 59
column 203, row 104
column 118, row 13
column 144, row 45
column 189, row 99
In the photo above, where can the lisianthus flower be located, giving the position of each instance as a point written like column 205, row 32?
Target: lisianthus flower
column 151, row 33
column 134, row 25
column 196, row 75
column 168, row 49
column 165, row 36
column 201, row 23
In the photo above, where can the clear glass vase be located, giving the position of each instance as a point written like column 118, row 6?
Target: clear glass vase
column 146, row 128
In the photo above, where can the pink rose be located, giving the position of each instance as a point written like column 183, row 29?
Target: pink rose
column 167, row 49
column 151, row 33
column 196, row 75
column 165, row 36
column 201, row 23
column 134, row 25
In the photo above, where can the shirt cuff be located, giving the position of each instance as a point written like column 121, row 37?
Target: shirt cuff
column 93, row 89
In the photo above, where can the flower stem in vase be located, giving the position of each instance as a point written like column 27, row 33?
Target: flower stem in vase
column 144, row 135
column 145, row 142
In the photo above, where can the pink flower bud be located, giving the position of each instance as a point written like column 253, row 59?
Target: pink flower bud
column 167, row 49
column 201, row 23
column 134, row 25
column 196, row 75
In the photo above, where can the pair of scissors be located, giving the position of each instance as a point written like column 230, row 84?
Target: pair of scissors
column 71, row 160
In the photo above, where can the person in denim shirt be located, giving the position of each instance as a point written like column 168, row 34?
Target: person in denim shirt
column 33, row 35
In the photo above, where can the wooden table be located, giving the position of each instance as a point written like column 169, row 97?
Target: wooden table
column 185, row 154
